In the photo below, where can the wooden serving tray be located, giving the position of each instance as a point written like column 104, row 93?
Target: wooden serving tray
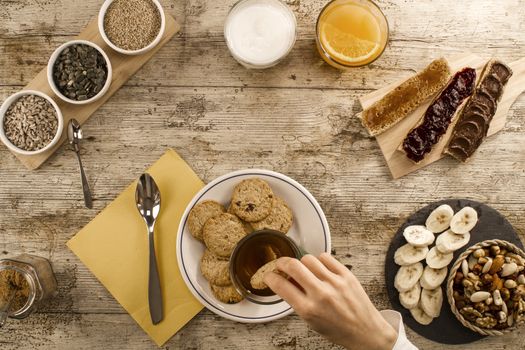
column 390, row 140
column 124, row 66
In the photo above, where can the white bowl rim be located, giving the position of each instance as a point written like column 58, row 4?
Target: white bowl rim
column 160, row 35
column 53, row 59
column 14, row 97
column 197, row 197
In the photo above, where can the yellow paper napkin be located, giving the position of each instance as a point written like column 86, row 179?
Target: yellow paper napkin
column 114, row 246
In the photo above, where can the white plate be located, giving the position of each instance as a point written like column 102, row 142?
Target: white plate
column 310, row 230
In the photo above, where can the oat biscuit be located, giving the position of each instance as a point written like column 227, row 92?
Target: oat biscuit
column 280, row 218
column 252, row 200
column 215, row 269
column 221, row 234
column 247, row 226
column 226, row 294
column 200, row 213
column 257, row 281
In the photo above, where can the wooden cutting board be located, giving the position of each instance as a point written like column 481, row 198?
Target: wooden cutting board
column 390, row 140
column 124, row 66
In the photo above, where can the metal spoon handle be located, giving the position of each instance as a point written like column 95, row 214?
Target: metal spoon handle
column 4, row 312
column 154, row 293
column 85, row 186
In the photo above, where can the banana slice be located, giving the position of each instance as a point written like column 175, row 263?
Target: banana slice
column 407, row 276
column 418, row 236
column 408, row 254
column 439, row 219
column 449, row 242
column 432, row 278
column 437, row 260
column 410, row 298
column 464, row 220
column 431, row 301
column 420, row 316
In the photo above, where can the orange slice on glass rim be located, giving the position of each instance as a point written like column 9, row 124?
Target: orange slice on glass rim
column 346, row 47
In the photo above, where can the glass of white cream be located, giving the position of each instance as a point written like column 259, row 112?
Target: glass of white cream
column 260, row 33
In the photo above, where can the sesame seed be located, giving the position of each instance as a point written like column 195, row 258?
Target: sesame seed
column 132, row 24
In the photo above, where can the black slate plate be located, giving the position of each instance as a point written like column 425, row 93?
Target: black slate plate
column 446, row 329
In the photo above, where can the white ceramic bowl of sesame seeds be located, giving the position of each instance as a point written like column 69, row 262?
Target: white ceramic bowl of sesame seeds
column 8, row 129
column 132, row 27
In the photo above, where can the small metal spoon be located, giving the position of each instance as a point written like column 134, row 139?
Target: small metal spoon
column 147, row 197
column 4, row 312
column 74, row 135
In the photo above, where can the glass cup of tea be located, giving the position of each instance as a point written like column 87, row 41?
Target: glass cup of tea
column 252, row 252
column 351, row 33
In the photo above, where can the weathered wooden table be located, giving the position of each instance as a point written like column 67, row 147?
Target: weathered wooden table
column 296, row 118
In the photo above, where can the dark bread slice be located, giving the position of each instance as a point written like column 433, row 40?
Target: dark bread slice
column 492, row 86
column 405, row 98
column 501, row 71
column 480, row 110
column 485, row 101
column 458, row 153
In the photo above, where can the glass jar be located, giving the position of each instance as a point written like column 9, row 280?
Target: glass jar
column 35, row 281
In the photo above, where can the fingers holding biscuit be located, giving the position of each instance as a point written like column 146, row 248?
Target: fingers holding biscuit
column 317, row 268
column 285, row 289
column 333, row 264
column 299, row 273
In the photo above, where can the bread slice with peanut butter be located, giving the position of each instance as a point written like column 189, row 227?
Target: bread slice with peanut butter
column 405, row 98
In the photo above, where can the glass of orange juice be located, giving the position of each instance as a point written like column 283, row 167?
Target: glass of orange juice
column 351, row 33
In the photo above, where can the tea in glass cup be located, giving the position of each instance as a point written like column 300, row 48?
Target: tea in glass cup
column 351, row 33
column 254, row 251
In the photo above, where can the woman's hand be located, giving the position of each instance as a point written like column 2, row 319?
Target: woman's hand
column 332, row 301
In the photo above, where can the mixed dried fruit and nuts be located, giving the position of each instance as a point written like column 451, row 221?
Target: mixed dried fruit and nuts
column 420, row 286
column 489, row 289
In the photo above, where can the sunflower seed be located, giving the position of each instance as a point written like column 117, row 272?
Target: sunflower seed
column 77, row 66
column 30, row 123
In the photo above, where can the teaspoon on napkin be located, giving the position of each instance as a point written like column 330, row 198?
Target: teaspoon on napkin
column 147, row 197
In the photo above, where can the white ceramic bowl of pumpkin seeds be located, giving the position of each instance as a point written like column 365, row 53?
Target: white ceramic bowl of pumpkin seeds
column 79, row 72
column 131, row 27
column 30, row 122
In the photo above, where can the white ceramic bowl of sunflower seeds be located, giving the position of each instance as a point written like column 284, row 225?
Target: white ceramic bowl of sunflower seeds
column 30, row 122
column 79, row 72
column 131, row 27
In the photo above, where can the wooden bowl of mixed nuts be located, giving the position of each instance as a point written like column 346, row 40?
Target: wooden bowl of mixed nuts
column 30, row 122
column 79, row 72
column 486, row 287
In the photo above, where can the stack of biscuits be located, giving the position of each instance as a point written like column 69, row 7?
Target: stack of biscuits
column 253, row 207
